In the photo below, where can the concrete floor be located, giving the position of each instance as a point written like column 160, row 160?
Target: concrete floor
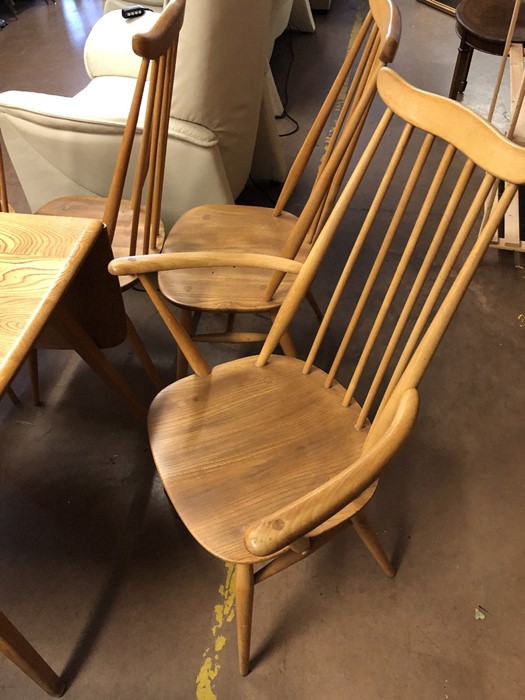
column 101, row 576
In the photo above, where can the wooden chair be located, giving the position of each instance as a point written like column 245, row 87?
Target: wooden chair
column 275, row 231
column 482, row 25
column 133, row 226
column 266, row 457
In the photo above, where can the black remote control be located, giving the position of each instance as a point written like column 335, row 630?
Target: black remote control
column 134, row 11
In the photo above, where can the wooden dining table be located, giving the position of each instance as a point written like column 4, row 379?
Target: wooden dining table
column 42, row 259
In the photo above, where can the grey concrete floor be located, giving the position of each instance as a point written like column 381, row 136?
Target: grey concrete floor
column 102, row 577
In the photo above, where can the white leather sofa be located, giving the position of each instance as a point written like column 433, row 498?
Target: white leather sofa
column 60, row 145
column 298, row 12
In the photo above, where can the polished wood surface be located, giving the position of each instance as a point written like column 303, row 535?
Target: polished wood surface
column 275, row 231
column 265, row 458
column 223, row 228
column 483, row 25
column 38, row 258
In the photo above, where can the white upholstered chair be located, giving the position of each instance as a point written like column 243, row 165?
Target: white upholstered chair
column 68, row 145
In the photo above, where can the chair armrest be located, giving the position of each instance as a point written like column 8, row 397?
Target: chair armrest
column 288, row 524
column 161, row 262
column 142, row 264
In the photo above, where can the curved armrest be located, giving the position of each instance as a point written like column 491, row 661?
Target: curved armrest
column 160, row 262
column 288, row 524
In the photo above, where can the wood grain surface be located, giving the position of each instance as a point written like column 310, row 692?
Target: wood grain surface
column 39, row 257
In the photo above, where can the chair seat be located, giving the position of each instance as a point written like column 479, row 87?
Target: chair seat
column 485, row 23
column 220, row 484
column 92, row 207
column 227, row 228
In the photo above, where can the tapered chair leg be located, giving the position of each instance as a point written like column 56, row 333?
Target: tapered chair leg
column 33, row 376
column 20, row 652
column 286, row 342
column 12, row 395
column 244, row 585
column 140, row 351
column 69, row 328
column 315, row 306
column 372, row 543
column 182, row 362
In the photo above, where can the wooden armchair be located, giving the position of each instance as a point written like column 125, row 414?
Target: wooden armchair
column 265, row 458
column 134, row 226
column 234, row 228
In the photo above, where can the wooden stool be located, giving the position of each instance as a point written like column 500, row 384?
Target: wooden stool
column 482, row 25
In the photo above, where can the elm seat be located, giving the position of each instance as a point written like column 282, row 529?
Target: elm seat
column 482, row 25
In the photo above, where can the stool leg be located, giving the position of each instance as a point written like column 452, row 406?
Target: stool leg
column 459, row 79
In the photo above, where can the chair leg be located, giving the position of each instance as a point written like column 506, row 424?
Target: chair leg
column 244, row 585
column 182, row 362
column 33, row 376
column 459, row 79
column 140, row 351
column 286, row 342
column 372, row 543
column 65, row 324
column 20, row 652
column 12, row 395
column 315, row 306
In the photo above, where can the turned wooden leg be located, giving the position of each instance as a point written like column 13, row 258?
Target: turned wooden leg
column 315, row 306
column 182, row 362
column 371, row 542
column 140, row 351
column 32, row 359
column 244, row 586
column 21, row 653
column 461, row 69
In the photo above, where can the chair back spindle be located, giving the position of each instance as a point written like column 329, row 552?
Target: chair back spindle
column 423, row 225
column 158, row 50
column 374, row 47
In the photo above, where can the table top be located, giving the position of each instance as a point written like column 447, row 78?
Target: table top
column 39, row 256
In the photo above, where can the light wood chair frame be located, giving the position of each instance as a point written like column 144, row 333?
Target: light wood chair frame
column 445, row 225
column 140, row 230
column 374, row 46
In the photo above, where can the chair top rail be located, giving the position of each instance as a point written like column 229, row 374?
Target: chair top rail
column 423, row 223
column 163, row 34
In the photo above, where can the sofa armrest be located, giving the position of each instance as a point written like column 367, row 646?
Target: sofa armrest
column 107, row 50
column 102, row 107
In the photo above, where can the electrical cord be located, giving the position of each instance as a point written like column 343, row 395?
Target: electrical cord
column 285, row 114
column 261, row 189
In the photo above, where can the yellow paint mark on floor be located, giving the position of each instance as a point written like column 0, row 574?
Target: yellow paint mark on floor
column 225, row 610
column 224, row 616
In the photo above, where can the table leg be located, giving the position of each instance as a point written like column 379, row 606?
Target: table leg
column 68, row 327
column 16, row 647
